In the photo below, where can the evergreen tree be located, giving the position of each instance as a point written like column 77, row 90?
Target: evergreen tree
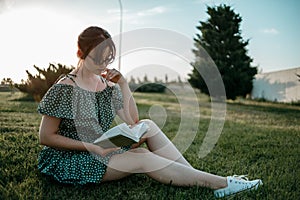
column 221, row 38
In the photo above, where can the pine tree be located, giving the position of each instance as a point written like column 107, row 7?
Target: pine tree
column 221, row 38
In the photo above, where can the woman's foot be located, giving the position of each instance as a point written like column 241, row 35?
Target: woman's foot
column 236, row 184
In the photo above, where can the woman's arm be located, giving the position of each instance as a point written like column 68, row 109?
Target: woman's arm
column 129, row 113
column 48, row 136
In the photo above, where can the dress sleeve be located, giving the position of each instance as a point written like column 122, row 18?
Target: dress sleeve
column 57, row 102
column 117, row 98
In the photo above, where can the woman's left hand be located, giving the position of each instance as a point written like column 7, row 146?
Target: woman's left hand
column 114, row 75
column 136, row 145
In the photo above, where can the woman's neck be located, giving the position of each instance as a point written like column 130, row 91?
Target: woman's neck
column 84, row 73
column 88, row 80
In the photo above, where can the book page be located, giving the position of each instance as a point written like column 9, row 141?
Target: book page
column 139, row 129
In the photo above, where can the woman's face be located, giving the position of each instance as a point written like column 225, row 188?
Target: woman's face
column 96, row 61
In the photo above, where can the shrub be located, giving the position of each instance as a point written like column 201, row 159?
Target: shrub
column 148, row 87
column 37, row 85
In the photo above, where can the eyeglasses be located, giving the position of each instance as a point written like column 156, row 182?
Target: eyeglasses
column 100, row 61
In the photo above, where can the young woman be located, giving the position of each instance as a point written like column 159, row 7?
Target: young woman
column 82, row 105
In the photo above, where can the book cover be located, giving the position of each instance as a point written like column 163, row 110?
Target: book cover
column 122, row 135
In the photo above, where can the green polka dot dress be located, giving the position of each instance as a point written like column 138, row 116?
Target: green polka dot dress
column 84, row 115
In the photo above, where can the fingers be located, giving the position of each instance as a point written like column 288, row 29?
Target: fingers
column 113, row 75
column 117, row 148
column 135, row 145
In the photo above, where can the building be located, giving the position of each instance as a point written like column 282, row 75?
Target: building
column 279, row 86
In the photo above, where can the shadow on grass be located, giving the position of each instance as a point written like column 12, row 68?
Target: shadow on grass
column 136, row 186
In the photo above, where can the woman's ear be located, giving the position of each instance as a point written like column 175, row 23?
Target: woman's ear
column 79, row 54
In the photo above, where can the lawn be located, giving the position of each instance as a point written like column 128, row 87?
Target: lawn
column 259, row 139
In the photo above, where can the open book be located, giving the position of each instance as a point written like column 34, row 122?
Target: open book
column 122, row 135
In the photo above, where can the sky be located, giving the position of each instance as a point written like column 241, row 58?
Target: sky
column 39, row 32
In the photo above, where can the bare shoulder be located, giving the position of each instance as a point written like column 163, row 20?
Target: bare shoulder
column 66, row 80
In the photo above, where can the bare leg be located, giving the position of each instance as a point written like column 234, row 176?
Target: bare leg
column 160, row 144
column 166, row 171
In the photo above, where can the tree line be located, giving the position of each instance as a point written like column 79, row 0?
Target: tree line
column 219, row 37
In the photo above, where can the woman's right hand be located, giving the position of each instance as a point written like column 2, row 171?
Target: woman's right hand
column 102, row 151
column 114, row 76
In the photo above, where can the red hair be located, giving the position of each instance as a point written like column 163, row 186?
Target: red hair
column 93, row 36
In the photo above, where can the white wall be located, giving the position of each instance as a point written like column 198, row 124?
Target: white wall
column 281, row 86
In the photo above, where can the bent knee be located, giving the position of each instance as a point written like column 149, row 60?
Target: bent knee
column 148, row 121
column 152, row 125
column 153, row 128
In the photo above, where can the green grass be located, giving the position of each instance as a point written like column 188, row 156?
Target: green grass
column 260, row 139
